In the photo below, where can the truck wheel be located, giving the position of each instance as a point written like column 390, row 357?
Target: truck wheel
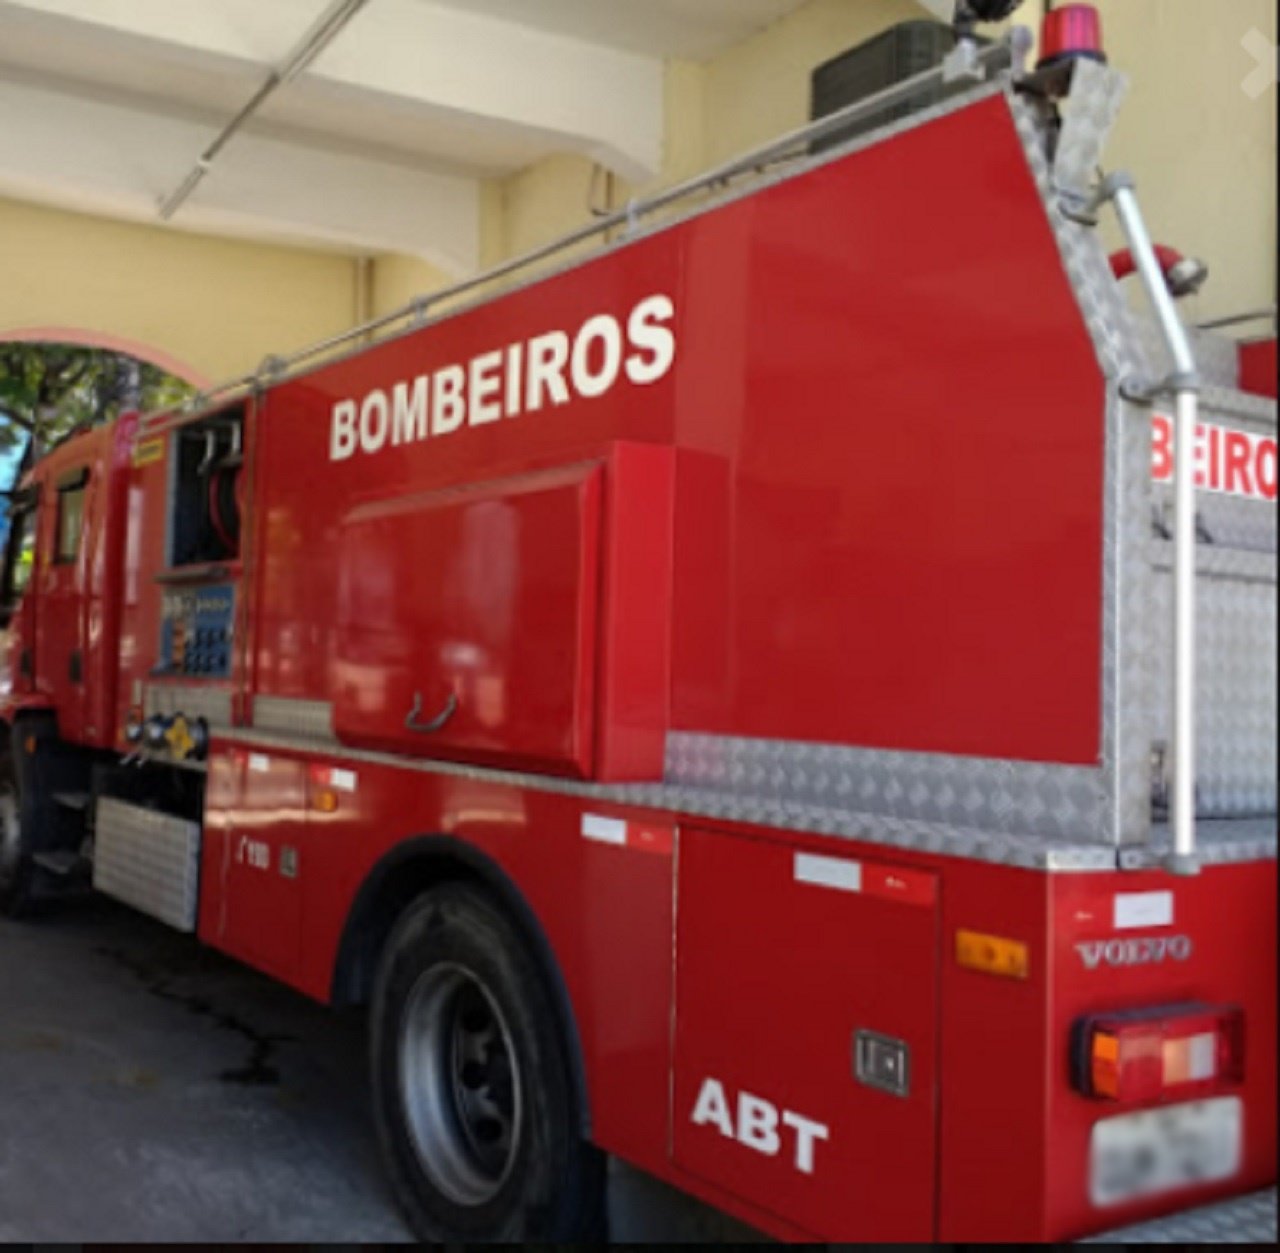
column 472, row 1092
column 15, row 861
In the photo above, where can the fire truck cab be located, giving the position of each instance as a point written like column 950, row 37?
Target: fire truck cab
column 715, row 702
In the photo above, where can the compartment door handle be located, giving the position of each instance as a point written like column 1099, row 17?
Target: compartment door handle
column 437, row 723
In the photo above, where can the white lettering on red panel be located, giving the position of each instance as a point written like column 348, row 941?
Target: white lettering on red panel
column 548, row 370
column 1235, row 463
column 757, row 1124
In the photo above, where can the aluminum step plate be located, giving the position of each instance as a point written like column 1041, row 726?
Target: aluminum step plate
column 149, row 860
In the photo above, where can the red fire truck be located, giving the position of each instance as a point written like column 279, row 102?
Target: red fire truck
column 734, row 702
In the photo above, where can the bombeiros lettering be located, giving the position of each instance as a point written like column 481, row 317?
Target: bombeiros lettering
column 1225, row 461
column 548, row 370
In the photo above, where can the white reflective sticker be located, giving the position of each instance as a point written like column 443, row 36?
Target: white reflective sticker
column 828, row 872
column 1143, row 909
column 259, row 764
column 605, row 830
column 342, row 780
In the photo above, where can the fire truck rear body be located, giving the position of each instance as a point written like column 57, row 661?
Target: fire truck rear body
column 769, row 611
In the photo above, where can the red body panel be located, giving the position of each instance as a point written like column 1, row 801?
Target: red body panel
column 774, row 976
column 894, row 536
column 1258, row 367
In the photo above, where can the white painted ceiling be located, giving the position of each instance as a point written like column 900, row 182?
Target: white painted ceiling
column 106, row 104
column 690, row 29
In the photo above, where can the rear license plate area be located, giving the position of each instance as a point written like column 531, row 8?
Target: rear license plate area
column 1157, row 1150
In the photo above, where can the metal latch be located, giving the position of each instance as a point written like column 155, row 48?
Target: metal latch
column 882, row 1062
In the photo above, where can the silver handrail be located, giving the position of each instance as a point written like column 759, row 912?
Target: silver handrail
column 1184, row 384
column 757, row 160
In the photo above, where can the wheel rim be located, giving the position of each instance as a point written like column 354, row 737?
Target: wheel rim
column 460, row 1085
column 10, row 833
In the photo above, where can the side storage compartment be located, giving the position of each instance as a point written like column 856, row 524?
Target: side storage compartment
column 520, row 623
column 467, row 621
column 806, row 1034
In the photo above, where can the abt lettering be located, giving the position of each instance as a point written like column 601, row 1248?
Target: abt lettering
column 759, row 1125
column 1234, row 463
column 544, row 372
column 1137, row 951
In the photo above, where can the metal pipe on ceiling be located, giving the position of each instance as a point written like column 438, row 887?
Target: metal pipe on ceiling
column 317, row 38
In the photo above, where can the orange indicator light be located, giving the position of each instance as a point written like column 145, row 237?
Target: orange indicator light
column 992, row 954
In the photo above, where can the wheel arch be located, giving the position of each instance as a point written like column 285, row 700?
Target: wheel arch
column 397, row 881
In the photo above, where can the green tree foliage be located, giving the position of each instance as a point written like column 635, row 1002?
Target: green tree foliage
column 51, row 389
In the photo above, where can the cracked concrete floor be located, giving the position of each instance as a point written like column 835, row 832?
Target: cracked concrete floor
column 151, row 1090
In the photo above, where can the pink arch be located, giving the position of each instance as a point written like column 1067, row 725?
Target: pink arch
column 113, row 343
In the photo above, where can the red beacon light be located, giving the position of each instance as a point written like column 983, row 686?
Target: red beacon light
column 1071, row 32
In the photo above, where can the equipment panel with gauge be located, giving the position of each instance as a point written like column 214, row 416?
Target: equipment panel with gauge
column 196, row 631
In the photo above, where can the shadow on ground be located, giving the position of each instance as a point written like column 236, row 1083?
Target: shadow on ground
column 152, row 1090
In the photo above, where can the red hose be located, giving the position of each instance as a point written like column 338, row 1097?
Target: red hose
column 1123, row 264
column 215, row 515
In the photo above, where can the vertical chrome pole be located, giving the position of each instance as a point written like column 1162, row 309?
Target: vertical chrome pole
column 1185, row 385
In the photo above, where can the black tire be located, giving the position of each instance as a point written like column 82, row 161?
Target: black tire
column 17, row 870
column 472, row 1088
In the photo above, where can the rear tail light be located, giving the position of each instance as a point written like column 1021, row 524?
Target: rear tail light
column 1169, row 1053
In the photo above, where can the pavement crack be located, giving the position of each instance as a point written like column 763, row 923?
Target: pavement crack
column 258, row 1070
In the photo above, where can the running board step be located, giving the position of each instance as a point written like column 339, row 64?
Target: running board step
column 63, row 864
column 79, row 801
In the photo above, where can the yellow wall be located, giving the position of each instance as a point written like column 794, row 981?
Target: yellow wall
column 760, row 88
column 217, row 305
column 1202, row 151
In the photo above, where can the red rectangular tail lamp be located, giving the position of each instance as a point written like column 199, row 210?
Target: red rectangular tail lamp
column 1171, row 1052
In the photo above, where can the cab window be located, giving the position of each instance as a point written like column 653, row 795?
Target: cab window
column 21, row 555
column 71, row 490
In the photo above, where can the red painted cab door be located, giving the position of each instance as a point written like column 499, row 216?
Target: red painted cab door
column 806, row 1034
column 62, row 581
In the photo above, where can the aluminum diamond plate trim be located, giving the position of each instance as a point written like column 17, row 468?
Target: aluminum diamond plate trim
column 1246, row 1220
column 1097, row 92
column 148, row 860
column 1003, row 797
column 1236, row 758
column 1013, row 848
column 1125, row 677
column 1219, row 842
column 310, row 718
column 1226, row 523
